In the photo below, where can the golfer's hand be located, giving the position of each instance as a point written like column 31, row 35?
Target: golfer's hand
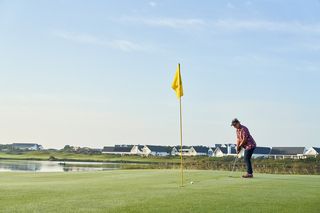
column 238, row 149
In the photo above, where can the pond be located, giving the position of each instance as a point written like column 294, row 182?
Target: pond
column 57, row 166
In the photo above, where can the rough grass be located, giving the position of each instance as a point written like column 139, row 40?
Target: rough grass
column 45, row 155
column 157, row 191
column 309, row 166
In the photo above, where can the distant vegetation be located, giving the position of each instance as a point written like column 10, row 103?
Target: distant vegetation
column 263, row 165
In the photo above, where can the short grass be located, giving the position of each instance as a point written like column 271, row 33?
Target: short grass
column 157, row 191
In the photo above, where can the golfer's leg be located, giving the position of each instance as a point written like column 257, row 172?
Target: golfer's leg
column 247, row 161
column 249, row 165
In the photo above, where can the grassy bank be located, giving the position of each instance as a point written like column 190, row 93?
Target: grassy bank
column 65, row 156
column 157, row 191
column 287, row 166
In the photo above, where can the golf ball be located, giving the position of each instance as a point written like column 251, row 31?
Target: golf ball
column 191, row 182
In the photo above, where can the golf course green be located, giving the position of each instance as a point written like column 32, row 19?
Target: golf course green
column 157, row 191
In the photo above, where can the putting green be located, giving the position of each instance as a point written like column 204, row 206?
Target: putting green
column 157, row 191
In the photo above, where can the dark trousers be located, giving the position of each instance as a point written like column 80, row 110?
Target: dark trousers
column 247, row 160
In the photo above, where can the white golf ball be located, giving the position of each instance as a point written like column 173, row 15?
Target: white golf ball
column 191, row 182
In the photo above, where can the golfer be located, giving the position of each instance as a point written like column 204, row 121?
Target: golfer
column 246, row 141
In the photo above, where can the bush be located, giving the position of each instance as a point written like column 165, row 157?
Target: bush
column 52, row 158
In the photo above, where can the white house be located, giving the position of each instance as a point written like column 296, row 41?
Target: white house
column 155, row 150
column 222, row 150
column 219, row 152
column 186, row 151
column 226, row 151
column 27, row 146
column 174, row 151
column 192, row 151
column 136, row 150
column 313, row 151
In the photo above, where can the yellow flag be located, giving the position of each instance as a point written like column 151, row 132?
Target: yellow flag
column 177, row 83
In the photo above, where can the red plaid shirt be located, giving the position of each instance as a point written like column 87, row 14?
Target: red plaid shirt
column 243, row 133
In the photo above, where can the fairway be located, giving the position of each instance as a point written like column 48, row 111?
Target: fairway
column 157, row 191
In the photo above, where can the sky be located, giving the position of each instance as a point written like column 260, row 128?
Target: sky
column 97, row 73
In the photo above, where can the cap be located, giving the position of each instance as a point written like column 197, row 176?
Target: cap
column 234, row 121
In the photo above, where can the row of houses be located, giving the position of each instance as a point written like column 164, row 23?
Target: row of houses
column 21, row 146
column 219, row 150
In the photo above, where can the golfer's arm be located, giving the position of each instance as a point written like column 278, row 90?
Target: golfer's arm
column 243, row 139
column 243, row 142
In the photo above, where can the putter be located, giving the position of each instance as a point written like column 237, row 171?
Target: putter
column 234, row 163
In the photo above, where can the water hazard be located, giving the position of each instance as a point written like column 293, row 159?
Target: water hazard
column 55, row 166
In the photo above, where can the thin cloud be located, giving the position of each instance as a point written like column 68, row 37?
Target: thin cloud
column 152, row 4
column 225, row 24
column 311, row 46
column 80, row 38
column 261, row 25
column 174, row 23
column 230, row 5
column 119, row 44
column 126, row 46
column 248, row 3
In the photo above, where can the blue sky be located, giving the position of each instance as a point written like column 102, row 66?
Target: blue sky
column 95, row 73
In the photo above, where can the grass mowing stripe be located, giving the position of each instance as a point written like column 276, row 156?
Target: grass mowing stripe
column 157, row 191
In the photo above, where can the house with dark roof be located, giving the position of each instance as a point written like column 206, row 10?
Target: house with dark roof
column 313, row 151
column 27, row 146
column 231, row 151
column 224, row 145
column 210, row 151
column 201, row 150
column 156, row 150
column 288, row 152
column 117, row 149
column 260, row 151
column 108, row 150
column 185, row 151
column 192, row 150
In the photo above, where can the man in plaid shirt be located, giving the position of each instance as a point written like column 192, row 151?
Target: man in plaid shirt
column 246, row 141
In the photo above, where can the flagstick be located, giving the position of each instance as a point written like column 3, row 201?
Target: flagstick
column 181, row 161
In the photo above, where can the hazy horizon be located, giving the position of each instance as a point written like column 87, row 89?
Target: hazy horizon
column 99, row 73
